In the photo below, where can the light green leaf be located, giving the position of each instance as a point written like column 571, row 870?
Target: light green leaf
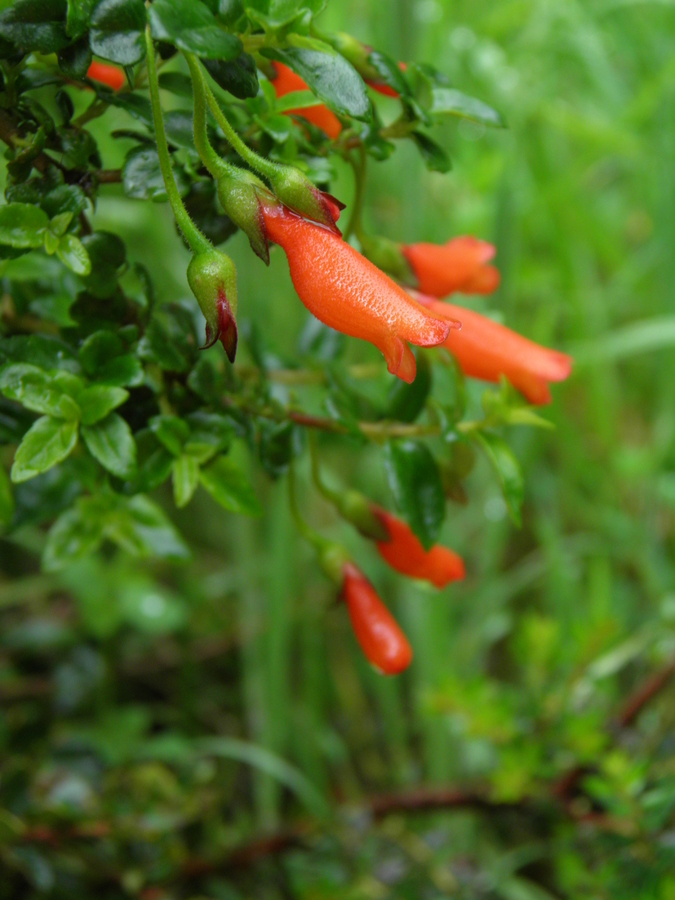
column 111, row 442
column 71, row 252
column 229, row 487
column 508, row 471
column 22, row 225
column 44, row 445
column 39, row 391
column 185, row 472
column 99, row 400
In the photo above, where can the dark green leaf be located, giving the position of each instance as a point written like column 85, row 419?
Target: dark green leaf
column 239, row 77
column 75, row 534
column 417, row 488
column 140, row 527
column 136, row 105
column 330, row 76
column 167, row 343
column 75, row 59
column 103, row 357
column 107, row 253
column 276, row 446
column 46, row 444
column 406, row 401
column 22, row 225
column 111, row 442
column 508, row 471
column 142, row 176
column 35, row 25
column 171, row 431
column 176, row 83
column 117, row 31
column 229, row 487
column 6, row 499
column 190, row 25
column 77, row 20
column 435, row 158
column 185, row 479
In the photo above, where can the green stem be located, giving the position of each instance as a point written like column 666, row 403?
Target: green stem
column 308, row 533
column 208, row 155
column 259, row 163
column 359, row 166
column 197, row 241
column 330, row 495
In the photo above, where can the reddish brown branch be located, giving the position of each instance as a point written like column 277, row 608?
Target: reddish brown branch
column 644, row 694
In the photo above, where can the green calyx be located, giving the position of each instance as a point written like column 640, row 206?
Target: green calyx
column 241, row 194
column 389, row 256
column 333, row 558
column 297, row 192
column 358, row 510
column 213, row 280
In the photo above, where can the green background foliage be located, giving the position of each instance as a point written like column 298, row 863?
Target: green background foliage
column 162, row 717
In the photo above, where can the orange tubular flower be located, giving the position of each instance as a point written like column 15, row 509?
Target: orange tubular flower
column 347, row 292
column 404, row 553
column 376, row 630
column 486, row 350
column 286, row 82
column 110, row 75
column 459, row 265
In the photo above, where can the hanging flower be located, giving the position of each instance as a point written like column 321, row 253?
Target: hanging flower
column 404, row 553
column 459, row 265
column 487, row 350
column 348, row 293
column 286, row 82
column 110, row 75
column 376, row 630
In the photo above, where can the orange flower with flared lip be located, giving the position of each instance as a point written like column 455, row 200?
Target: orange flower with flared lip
column 459, row 265
column 404, row 553
column 379, row 635
column 110, row 75
column 286, row 82
column 487, row 350
column 348, row 293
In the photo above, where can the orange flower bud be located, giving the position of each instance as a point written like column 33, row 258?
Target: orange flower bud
column 383, row 88
column 286, row 82
column 487, row 350
column 347, row 292
column 404, row 553
column 459, row 265
column 376, row 630
column 110, row 75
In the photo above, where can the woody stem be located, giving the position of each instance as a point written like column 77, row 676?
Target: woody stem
column 197, row 241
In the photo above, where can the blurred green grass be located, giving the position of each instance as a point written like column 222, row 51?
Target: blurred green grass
column 579, row 196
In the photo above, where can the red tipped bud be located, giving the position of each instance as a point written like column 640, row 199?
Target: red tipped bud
column 376, row 630
column 213, row 280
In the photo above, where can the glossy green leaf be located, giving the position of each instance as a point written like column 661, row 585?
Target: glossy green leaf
column 117, row 31
column 104, row 359
column 417, row 487
column 78, row 16
column 39, row 391
column 239, row 76
column 406, row 401
column 35, row 25
column 446, row 101
column 330, row 76
column 142, row 176
column 75, row 534
column 190, row 25
column 47, row 443
column 508, row 471
column 171, row 431
column 435, row 158
column 72, row 253
column 229, row 486
column 111, row 442
column 22, row 225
